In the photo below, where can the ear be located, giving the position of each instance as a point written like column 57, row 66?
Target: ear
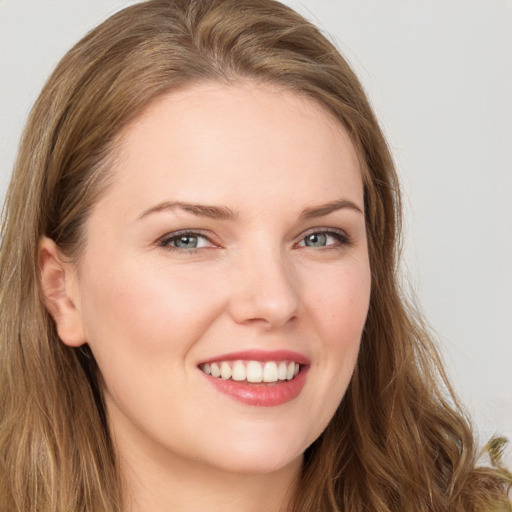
column 59, row 288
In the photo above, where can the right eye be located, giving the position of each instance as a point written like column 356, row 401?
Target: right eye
column 185, row 241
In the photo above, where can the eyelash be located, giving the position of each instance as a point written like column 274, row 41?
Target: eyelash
column 166, row 240
column 342, row 239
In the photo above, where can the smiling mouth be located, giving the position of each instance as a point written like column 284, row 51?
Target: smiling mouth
column 252, row 371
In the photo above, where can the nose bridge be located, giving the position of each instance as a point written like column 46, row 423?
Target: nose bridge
column 264, row 287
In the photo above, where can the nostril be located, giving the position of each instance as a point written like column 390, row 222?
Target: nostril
column 264, row 309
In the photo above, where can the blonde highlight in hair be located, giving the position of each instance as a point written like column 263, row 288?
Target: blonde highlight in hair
column 398, row 441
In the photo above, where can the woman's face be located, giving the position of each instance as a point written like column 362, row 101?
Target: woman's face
column 231, row 240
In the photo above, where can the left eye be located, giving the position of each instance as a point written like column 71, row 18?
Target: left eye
column 185, row 241
column 322, row 239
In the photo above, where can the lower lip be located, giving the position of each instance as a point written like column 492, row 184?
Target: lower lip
column 262, row 395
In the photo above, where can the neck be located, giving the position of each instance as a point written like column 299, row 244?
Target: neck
column 165, row 482
column 190, row 487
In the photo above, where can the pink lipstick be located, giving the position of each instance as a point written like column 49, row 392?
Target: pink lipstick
column 256, row 377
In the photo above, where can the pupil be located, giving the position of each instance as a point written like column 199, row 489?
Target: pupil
column 186, row 242
column 316, row 240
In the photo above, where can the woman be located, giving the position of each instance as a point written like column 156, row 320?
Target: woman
column 200, row 307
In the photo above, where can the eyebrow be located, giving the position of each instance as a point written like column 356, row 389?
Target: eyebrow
column 201, row 210
column 325, row 209
column 225, row 213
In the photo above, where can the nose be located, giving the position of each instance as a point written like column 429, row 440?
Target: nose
column 264, row 290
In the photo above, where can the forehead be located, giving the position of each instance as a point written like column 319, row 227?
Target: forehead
column 199, row 143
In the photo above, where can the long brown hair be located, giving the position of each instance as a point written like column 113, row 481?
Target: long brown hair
column 398, row 441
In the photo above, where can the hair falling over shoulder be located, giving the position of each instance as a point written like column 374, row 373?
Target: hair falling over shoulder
column 399, row 440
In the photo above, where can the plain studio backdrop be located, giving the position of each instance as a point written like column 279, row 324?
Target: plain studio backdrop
column 439, row 75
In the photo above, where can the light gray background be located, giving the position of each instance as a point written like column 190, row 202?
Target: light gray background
column 439, row 74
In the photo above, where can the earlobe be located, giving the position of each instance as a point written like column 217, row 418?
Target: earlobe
column 59, row 291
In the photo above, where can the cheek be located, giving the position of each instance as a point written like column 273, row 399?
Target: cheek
column 340, row 304
column 338, row 311
column 142, row 324
column 142, row 311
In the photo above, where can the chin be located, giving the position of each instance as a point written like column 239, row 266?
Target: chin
column 260, row 454
column 260, row 464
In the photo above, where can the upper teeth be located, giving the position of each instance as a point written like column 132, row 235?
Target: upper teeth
column 252, row 371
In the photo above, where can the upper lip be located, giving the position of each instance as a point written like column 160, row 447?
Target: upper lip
column 260, row 355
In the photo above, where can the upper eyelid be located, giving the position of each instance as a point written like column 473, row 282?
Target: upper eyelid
column 322, row 229
column 327, row 230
